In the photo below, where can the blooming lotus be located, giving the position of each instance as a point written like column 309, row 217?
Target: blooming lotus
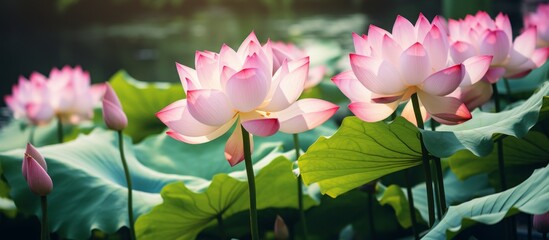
column 540, row 20
column 72, row 97
column 240, row 87
column 35, row 172
column 387, row 68
column 481, row 35
column 283, row 51
column 114, row 116
column 30, row 100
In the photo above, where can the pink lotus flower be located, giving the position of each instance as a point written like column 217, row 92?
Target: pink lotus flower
column 481, row 35
column 388, row 68
column 539, row 20
column 239, row 87
column 30, row 100
column 287, row 51
column 114, row 116
column 72, row 97
column 35, row 172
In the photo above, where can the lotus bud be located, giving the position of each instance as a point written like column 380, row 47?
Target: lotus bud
column 35, row 172
column 280, row 229
column 541, row 222
column 114, row 116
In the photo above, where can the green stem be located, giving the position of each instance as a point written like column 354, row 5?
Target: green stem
column 439, row 183
column 438, row 206
column 45, row 231
column 221, row 226
column 59, row 130
column 251, row 183
column 426, row 165
column 529, row 223
column 508, row 88
column 300, row 191
column 499, row 142
column 128, row 183
column 31, row 133
column 411, row 204
column 440, row 187
column 371, row 215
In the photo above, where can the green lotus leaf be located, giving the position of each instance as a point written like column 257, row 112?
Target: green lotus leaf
column 531, row 196
column 167, row 155
column 89, row 185
column 477, row 134
column 457, row 191
column 530, row 152
column 17, row 133
column 360, row 152
column 186, row 212
column 141, row 101
column 527, row 84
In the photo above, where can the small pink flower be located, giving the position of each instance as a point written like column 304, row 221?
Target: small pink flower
column 30, row 100
column 240, row 87
column 539, row 20
column 481, row 35
column 35, row 172
column 541, row 222
column 288, row 51
column 280, row 229
column 72, row 97
column 114, row 116
column 387, row 68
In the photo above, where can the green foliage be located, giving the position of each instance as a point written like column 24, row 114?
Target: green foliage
column 184, row 212
column 522, row 156
column 89, row 186
column 141, row 101
column 531, row 196
column 457, row 191
column 17, row 133
column 360, row 152
column 395, row 197
column 477, row 134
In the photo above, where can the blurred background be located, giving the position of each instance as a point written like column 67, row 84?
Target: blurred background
column 146, row 37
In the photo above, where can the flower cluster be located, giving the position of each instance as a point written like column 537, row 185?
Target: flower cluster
column 66, row 93
column 539, row 20
column 249, row 87
column 388, row 68
column 443, row 67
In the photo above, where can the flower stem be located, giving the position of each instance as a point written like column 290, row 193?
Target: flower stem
column 59, row 130
column 411, row 204
column 439, row 183
column 128, row 183
column 440, row 187
column 426, row 165
column 499, row 142
column 529, row 223
column 371, row 215
column 251, row 183
column 300, row 191
column 220, row 226
column 31, row 133
column 45, row 231
column 507, row 88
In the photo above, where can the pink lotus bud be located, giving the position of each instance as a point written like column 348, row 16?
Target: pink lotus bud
column 541, row 222
column 280, row 229
column 114, row 116
column 35, row 172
